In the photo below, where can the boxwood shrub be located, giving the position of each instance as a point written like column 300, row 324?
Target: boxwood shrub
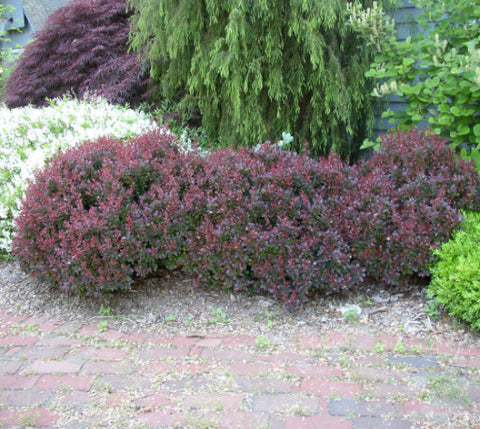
column 455, row 280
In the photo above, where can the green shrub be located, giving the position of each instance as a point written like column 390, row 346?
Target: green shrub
column 436, row 71
column 255, row 69
column 456, row 273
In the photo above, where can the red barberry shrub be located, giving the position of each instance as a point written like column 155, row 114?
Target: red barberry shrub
column 288, row 225
column 262, row 221
column 265, row 228
column 402, row 203
column 422, row 164
column 107, row 211
column 83, row 49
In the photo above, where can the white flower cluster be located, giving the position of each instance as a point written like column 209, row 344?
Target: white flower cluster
column 186, row 144
column 370, row 21
column 30, row 136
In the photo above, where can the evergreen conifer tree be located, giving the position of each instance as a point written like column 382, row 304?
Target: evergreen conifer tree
column 257, row 68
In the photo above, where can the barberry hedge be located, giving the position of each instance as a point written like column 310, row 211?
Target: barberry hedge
column 107, row 211
column 403, row 202
column 259, row 220
column 266, row 227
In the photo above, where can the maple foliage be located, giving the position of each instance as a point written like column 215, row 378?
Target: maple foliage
column 83, row 48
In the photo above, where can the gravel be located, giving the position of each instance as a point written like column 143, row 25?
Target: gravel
column 171, row 301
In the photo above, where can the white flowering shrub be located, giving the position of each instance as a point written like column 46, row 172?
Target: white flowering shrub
column 30, row 136
column 436, row 71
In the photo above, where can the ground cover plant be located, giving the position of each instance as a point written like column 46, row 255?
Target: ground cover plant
column 455, row 281
column 30, row 136
column 83, row 48
column 254, row 69
column 261, row 220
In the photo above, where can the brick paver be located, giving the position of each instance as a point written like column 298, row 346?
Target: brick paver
column 18, row 340
column 28, row 417
column 55, row 382
column 15, row 382
column 317, row 422
column 71, row 375
column 331, row 388
column 244, row 420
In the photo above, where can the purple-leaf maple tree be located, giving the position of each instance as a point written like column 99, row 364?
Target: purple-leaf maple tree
column 82, row 49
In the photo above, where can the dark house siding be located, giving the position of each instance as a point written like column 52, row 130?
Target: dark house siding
column 23, row 18
column 38, row 11
column 405, row 24
column 15, row 25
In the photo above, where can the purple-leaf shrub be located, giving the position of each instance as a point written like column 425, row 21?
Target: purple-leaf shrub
column 265, row 228
column 83, row 48
column 262, row 221
column 107, row 211
column 421, row 164
column 403, row 202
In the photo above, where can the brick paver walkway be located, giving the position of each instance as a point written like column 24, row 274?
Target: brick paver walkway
column 89, row 376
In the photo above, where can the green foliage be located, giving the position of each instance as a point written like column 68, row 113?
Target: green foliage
column 257, row 68
column 456, row 273
column 262, row 342
column 431, row 308
column 104, row 311
column 7, row 55
column 351, row 315
column 437, row 70
column 171, row 318
column 102, row 326
column 219, row 316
